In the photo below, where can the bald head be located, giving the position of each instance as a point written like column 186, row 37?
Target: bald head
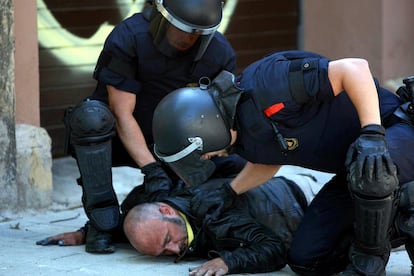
column 156, row 229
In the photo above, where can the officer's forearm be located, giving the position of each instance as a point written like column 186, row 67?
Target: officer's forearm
column 252, row 176
column 134, row 141
column 122, row 105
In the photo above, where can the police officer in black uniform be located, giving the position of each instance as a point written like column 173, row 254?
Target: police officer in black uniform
column 300, row 108
column 170, row 44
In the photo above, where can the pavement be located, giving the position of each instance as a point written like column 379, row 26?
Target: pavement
column 19, row 255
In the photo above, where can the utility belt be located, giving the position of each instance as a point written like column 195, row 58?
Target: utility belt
column 406, row 111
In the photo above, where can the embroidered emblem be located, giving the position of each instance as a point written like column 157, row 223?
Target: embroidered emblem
column 292, row 143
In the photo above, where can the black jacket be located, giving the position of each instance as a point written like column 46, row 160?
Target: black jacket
column 252, row 236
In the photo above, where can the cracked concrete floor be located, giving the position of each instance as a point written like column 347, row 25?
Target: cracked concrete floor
column 18, row 233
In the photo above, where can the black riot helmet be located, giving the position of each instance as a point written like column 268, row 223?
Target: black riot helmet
column 192, row 121
column 201, row 17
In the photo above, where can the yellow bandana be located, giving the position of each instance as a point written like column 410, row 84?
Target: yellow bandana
column 190, row 233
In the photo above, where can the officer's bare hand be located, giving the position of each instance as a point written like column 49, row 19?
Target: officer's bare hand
column 215, row 267
column 219, row 153
column 64, row 239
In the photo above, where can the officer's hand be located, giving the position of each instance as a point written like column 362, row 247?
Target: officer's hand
column 156, row 179
column 64, row 239
column 369, row 162
column 157, row 185
column 214, row 267
column 212, row 203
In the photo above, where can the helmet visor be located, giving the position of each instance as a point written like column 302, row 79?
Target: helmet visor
column 193, row 169
column 175, row 36
column 185, row 26
column 173, row 42
column 188, row 164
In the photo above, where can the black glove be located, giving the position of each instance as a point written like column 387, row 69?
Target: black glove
column 157, row 185
column 212, row 203
column 156, row 179
column 369, row 163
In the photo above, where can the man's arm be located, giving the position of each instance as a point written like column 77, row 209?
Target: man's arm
column 122, row 105
column 252, row 176
column 354, row 76
column 368, row 159
column 216, row 267
column 244, row 245
column 66, row 239
column 156, row 181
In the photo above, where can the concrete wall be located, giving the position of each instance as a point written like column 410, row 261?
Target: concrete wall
column 379, row 30
column 27, row 63
column 398, row 38
column 25, row 148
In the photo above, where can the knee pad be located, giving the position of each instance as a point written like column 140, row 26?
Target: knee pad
column 92, row 126
column 406, row 204
column 373, row 190
column 405, row 217
column 91, row 122
column 375, row 209
column 373, row 219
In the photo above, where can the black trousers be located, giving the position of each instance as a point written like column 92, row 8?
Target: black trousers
column 320, row 244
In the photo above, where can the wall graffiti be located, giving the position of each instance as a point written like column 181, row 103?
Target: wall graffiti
column 71, row 35
column 65, row 45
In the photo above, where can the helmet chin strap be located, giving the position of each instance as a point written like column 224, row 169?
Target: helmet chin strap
column 195, row 143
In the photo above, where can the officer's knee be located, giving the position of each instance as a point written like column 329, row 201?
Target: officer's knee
column 406, row 203
column 328, row 263
column 373, row 190
column 327, row 267
column 91, row 122
column 302, row 270
column 300, row 264
column 405, row 215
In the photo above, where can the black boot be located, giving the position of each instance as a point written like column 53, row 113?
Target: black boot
column 409, row 246
column 364, row 264
column 98, row 242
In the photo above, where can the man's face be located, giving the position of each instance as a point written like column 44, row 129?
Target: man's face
column 166, row 236
column 180, row 40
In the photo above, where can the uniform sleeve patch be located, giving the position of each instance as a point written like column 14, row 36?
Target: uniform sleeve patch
column 273, row 109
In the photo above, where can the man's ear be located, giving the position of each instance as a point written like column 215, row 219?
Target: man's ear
column 166, row 209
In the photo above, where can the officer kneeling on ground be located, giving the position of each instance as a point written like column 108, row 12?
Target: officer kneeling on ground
column 169, row 45
column 300, row 108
